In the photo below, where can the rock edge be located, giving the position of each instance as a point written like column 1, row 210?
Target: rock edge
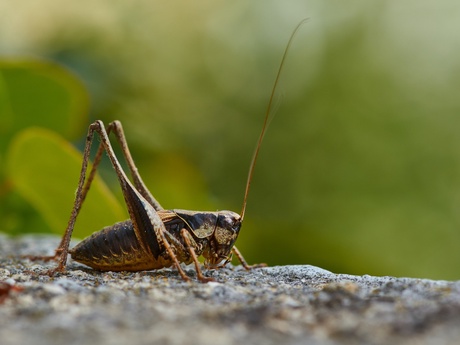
column 283, row 304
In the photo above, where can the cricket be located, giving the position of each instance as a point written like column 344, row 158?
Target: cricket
column 153, row 237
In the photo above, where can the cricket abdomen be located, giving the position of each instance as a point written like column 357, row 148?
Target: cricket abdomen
column 116, row 248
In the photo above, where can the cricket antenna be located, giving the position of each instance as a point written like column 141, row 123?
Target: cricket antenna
column 266, row 119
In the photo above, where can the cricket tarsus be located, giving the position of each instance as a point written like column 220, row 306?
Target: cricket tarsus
column 153, row 237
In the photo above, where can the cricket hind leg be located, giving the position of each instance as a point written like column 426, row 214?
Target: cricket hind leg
column 63, row 247
column 84, row 184
column 117, row 129
column 148, row 226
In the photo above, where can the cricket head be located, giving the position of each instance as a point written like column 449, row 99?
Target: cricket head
column 218, row 232
column 222, row 240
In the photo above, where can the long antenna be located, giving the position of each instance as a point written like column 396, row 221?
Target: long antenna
column 266, row 121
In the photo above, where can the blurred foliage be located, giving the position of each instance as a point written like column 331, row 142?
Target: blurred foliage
column 35, row 166
column 360, row 170
column 37, row 93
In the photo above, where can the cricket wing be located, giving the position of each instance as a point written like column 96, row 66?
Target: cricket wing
column 202, row 224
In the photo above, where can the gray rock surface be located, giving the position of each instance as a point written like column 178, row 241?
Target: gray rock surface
column 273, row 305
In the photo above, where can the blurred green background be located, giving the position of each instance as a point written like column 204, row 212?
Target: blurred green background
column 359, row 172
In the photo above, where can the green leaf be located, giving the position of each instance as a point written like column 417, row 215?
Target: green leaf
column 40, row 93
column 44, row 168
column 35, row 93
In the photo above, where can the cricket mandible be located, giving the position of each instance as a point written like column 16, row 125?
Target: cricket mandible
column 153, row 237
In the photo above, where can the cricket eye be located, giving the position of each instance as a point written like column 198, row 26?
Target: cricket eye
column 233, row 225
column 236, row 226
column 231, row 222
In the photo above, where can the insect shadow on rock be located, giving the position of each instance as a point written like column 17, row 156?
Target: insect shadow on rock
column 153, row 237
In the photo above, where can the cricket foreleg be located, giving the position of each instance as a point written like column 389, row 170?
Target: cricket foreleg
column 190, row 249
column 243, row 261
column 173, row 256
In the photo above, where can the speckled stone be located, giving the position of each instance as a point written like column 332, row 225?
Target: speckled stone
column 274, row 305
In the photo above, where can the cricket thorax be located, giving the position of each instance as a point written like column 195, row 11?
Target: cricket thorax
column 212, row 233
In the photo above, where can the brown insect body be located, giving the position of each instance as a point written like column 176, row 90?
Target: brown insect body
column 153, row 237
column 117, row 248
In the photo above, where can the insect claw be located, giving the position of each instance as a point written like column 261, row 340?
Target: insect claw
column 185, row 277
column 205, row 279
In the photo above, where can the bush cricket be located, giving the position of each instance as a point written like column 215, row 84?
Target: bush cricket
column 153, row 237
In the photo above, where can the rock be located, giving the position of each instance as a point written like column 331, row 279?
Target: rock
column 274, row 305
